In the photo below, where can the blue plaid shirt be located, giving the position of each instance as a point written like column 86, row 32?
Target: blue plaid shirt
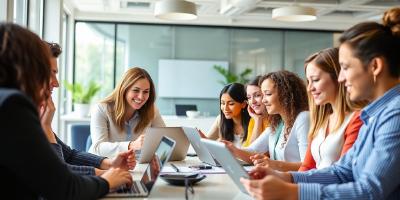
column 79, row 162
column 371, row 168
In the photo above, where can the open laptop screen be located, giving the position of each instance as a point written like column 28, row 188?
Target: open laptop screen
column 161, row 156
column 152, row 171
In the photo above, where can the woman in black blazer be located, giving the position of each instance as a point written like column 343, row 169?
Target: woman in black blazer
column 29, row 167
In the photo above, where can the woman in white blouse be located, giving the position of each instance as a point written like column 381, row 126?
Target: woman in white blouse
column 335, row 125
column 285, row 141
column 119, row 121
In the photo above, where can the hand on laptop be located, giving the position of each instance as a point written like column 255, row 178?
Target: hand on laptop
column 201, row 133
column 260, row 172
column 117, row 177
column 260, row 160
column 231, row 147
column 137, row 144
column 270, row 187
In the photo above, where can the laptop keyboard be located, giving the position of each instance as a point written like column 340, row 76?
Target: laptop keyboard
column 134, row 189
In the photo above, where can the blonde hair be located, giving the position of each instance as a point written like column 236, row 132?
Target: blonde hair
column 328, row 61
column 118, row 105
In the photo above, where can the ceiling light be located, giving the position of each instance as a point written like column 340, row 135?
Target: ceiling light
column 175, row 10
column 294, row 14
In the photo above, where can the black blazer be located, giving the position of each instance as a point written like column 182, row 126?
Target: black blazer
column 29, row 168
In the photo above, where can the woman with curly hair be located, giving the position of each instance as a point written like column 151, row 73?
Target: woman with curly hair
column 285, row 140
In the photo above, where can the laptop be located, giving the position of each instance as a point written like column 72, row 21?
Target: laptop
column 202, row 152
column 152, row 137
column 143, row 187
column 227, row 161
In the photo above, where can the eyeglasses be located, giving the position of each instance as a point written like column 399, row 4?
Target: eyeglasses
column 188, row 189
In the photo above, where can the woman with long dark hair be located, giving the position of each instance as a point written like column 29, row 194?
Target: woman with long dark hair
column 232, row 122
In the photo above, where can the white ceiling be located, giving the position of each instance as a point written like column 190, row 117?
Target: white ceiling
column 332, row 14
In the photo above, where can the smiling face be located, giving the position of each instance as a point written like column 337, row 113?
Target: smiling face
column 270, row 97
column 320, row 85
column 358, row 81
column 138, row 94
column 254, row 99
column 230, row 107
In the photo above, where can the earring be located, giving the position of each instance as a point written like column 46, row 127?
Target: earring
column 374, row 79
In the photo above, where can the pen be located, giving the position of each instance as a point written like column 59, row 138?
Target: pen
column 175, row 167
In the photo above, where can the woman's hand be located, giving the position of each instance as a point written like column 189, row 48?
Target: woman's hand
column 253, row 114
column 117, row 177
column 137, row 144
column 260, row 160
column 201, row 133
column 232, row 148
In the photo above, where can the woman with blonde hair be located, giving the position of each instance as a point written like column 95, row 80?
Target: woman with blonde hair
column 370, row 70
column 119, row 121
column 334, row 124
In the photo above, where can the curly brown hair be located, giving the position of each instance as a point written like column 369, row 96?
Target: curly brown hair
column 292, row 95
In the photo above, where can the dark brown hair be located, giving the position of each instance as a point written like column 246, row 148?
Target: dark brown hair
column 292, row 95
column 369, row 40
column 54, row 48
column 24, row 62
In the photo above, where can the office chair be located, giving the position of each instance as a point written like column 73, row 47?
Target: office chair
column 80, row 134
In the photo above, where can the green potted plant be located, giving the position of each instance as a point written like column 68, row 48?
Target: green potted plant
column 82, row 96
column 231, row 77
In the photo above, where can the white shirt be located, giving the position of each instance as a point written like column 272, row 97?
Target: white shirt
column 107, row 139
column 327, row 150
column 296, row 146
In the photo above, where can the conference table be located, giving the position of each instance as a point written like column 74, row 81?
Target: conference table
column 214, row 186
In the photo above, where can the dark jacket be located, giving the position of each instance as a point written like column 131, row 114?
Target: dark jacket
column 29, row 168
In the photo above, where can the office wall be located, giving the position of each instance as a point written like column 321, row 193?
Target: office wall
column 263, row 50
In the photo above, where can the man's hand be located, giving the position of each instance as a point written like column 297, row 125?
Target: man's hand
column 124, row 160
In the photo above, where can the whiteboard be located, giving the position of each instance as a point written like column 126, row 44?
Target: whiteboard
column 189, row 78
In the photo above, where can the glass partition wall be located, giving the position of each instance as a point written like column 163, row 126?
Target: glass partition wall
column 103, row 51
